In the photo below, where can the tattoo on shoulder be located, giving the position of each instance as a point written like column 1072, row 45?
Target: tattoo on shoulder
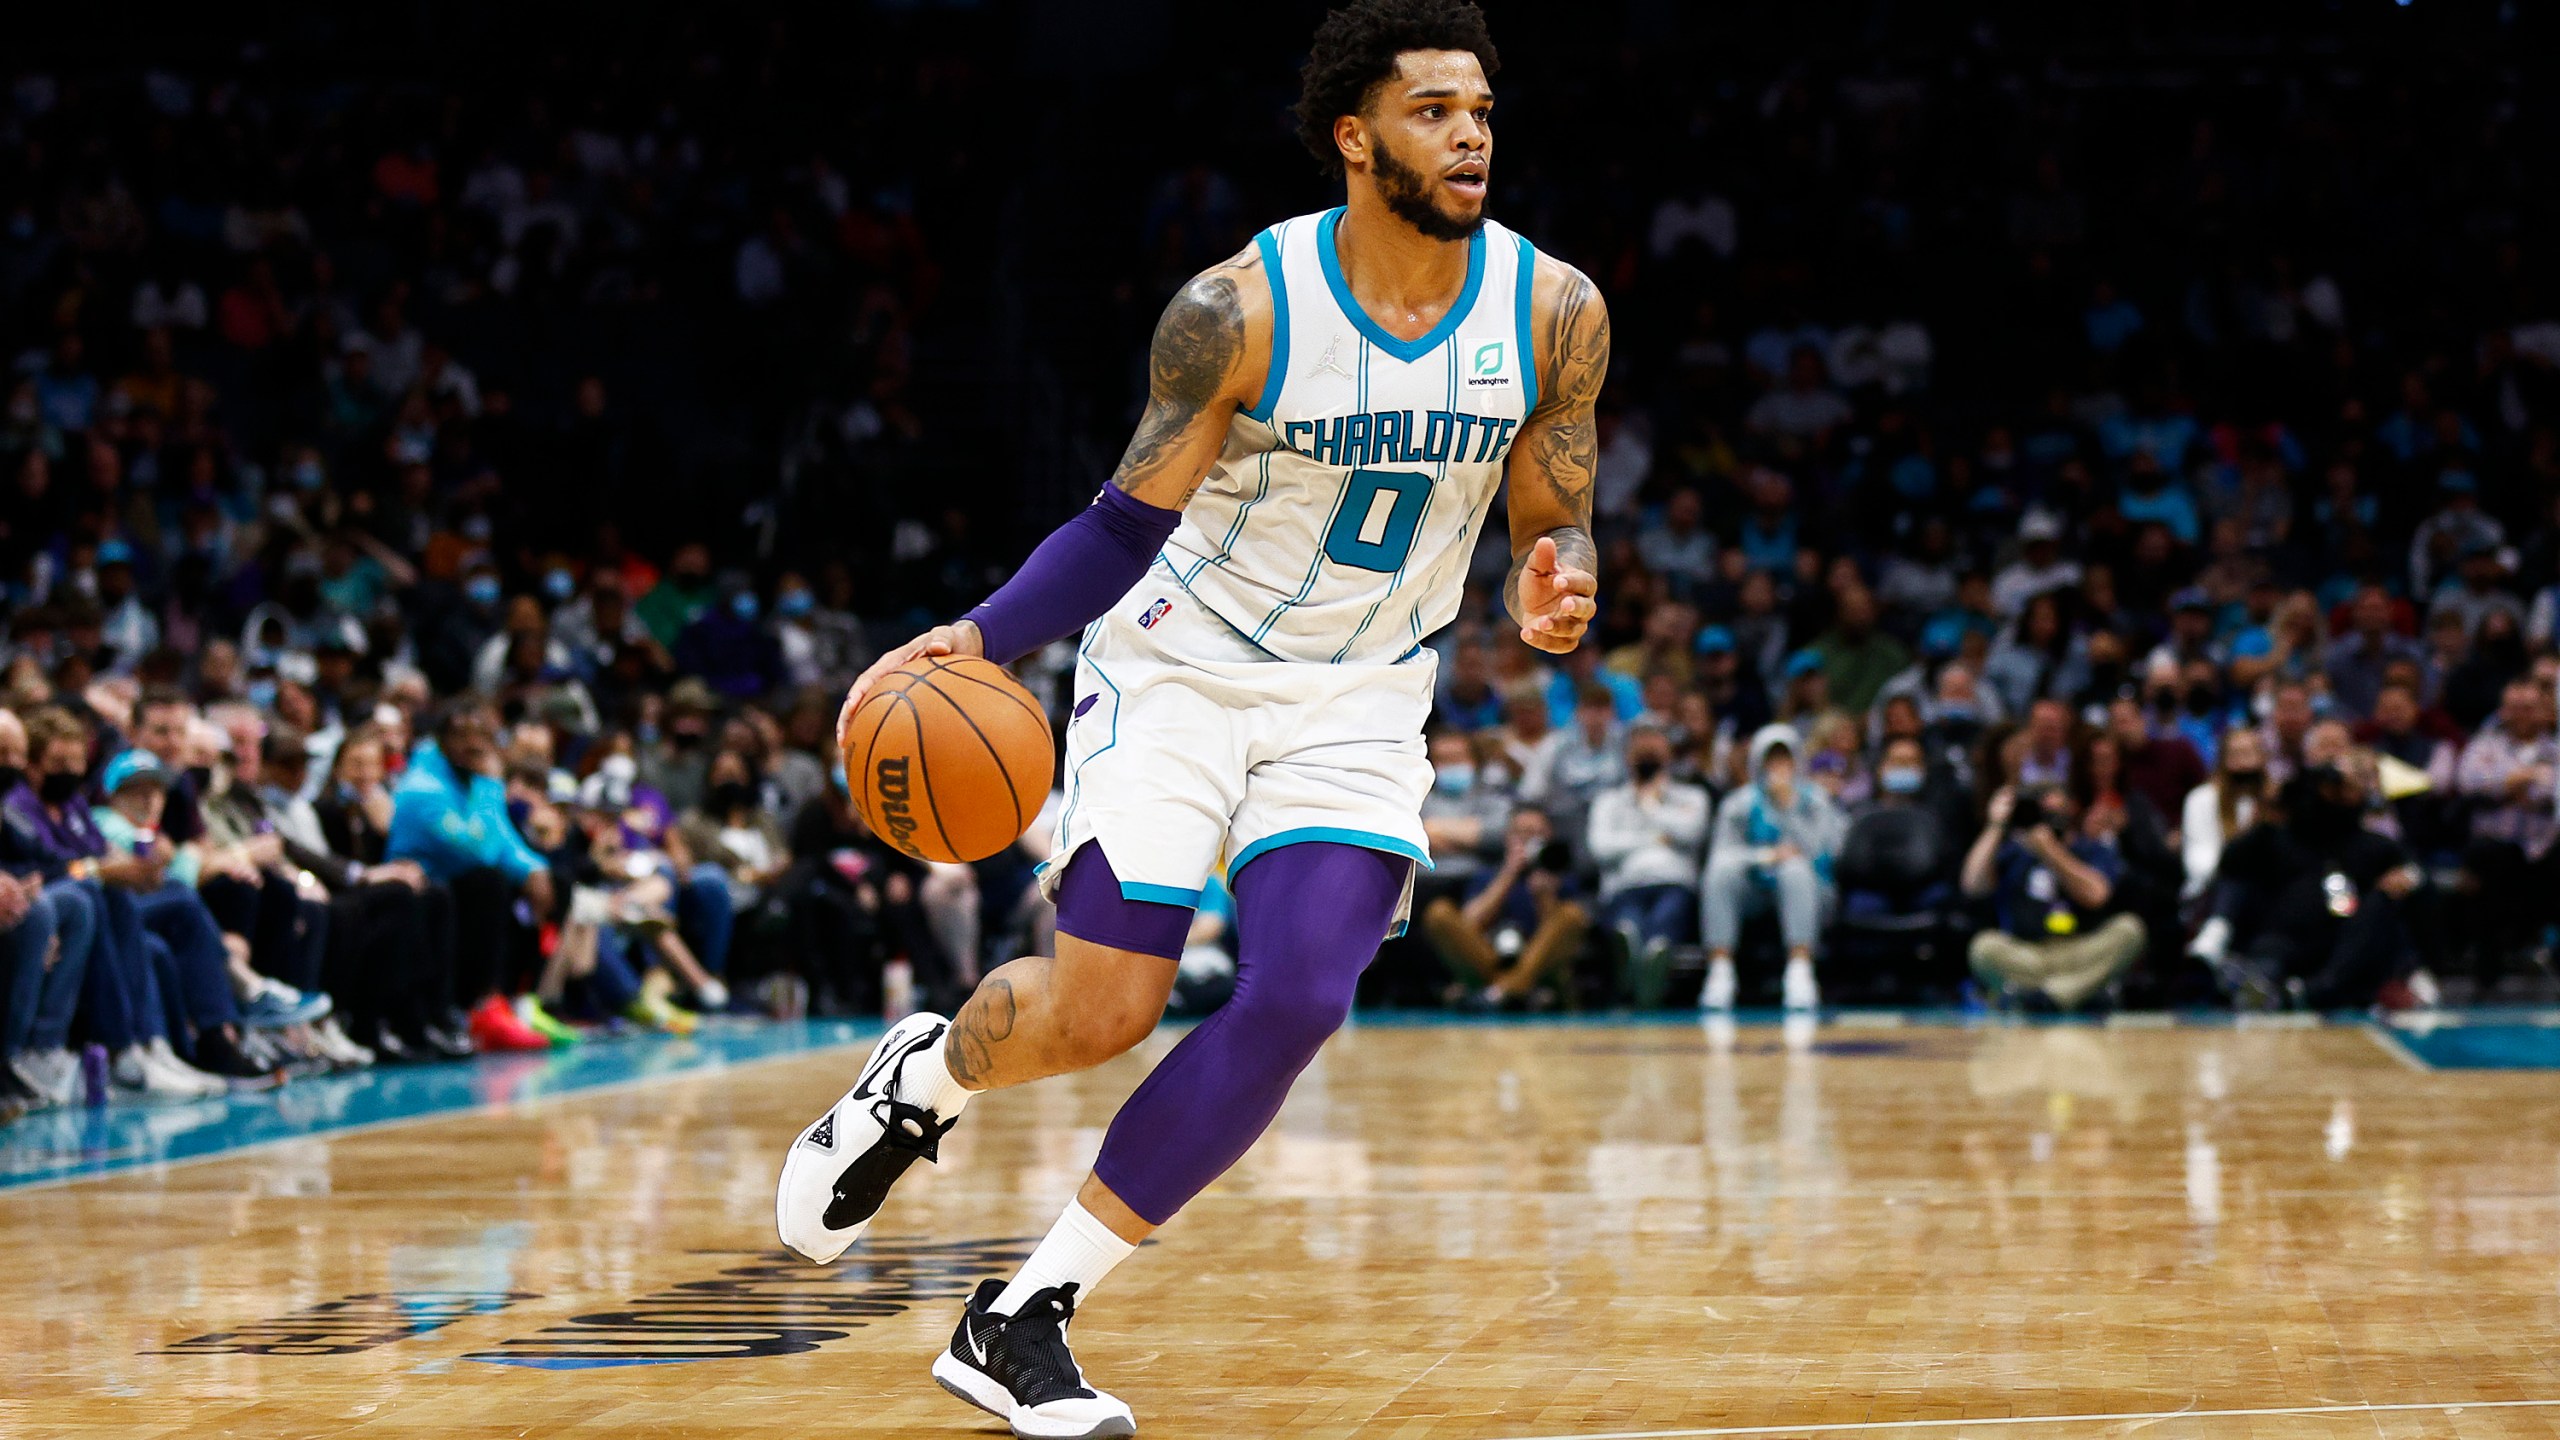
column 1199, row 343
column 1564, row 446
column 1578, row 341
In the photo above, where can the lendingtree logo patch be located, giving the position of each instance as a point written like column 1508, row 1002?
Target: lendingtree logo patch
column 1489, row 358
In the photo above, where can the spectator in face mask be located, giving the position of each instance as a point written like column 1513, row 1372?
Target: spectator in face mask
column 1905, row 776
column 1464, row 814
column 793, row 625
column 1648, row 836
column 450, row 641
column 2216, row 812
column 681, row 596
column 1773, row 845
column 2309, row 913
column 726, row 646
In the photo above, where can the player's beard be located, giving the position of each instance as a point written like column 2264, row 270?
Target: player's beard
column 1408, row 193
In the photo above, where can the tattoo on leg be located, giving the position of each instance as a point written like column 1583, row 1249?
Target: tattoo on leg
column 986, row 1021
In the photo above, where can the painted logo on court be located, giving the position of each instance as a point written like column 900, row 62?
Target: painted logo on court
column 772, row 1305
column 351, row 1324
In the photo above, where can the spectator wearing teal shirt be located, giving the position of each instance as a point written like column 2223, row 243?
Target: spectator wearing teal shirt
column 1582, row 667
column 450, row 819
column 2152, row 497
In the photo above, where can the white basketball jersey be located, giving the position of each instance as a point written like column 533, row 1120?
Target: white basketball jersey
column 1336, row 526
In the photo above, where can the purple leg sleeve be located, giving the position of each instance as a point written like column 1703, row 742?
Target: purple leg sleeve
column 1091, row 908
column 1081, row 570
column 1308, row 920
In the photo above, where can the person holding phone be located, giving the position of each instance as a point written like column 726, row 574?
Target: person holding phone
column 1520, row 922
column 2053, row 884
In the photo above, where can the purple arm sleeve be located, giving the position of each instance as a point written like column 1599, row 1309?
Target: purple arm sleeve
column 1077, row 573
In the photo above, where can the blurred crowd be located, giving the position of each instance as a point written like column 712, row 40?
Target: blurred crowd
column 2067, row 541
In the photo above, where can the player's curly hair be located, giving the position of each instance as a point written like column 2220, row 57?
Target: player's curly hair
column 1355, row 51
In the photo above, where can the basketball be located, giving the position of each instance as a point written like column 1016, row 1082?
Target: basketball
column 949, row 758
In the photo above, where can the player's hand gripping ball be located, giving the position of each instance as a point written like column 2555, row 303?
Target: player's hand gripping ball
column 949, row 758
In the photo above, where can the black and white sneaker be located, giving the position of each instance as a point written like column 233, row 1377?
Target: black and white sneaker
column 840, row 1169
column 1016, row 1368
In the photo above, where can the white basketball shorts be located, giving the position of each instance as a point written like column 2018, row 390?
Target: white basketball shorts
column 1191, row 747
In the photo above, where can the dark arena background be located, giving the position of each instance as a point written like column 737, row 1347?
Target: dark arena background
column 2118, row 442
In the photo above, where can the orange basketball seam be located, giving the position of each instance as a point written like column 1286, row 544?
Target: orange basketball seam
column 864, row 794
column 940, row 665
column 1010, row 792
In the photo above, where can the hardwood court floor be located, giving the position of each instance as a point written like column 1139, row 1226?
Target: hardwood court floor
column 1480, row 1232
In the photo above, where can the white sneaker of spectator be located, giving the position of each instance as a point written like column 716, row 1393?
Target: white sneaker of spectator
column 336, row 1048
column 274, row 1005
column 1720, row 985
column 53, row 1074
column 2212, row 942
column 139, row 1071
column 1798, row 989
column 2422, row 988
column 167, row 1059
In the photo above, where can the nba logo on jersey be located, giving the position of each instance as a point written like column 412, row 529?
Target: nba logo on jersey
column 1154, row 613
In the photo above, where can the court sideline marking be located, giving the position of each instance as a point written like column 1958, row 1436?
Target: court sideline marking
column 2451, row 1407
column 371, row 1127
column 2397, row 1048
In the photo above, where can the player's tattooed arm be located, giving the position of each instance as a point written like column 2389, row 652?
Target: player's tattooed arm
column 1196, row 380
column 1555, row 566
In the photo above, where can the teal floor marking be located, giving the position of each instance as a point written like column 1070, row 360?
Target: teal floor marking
column 98, row 1140
column 2482, row 1045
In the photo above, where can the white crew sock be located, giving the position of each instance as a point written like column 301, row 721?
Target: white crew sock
column 924, row 1078
column 1079, row 1248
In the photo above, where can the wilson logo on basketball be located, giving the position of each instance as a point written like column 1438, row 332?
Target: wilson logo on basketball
column 890, row 778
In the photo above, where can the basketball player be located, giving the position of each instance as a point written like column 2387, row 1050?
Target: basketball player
column 1329, row 414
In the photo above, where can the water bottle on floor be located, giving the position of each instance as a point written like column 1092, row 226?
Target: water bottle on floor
column 93, row 1073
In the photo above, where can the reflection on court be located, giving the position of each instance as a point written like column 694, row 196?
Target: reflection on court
column 1451, row 1231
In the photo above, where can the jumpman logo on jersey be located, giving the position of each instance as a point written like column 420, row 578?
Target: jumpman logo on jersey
column 1329, row 361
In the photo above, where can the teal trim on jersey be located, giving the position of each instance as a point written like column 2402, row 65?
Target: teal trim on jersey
column 1268, row 242
column 1235, row 527
column 1406, row 350
column 1161, row 894
column 1333, row 834
column 1075, row 777
column 1520, row 307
